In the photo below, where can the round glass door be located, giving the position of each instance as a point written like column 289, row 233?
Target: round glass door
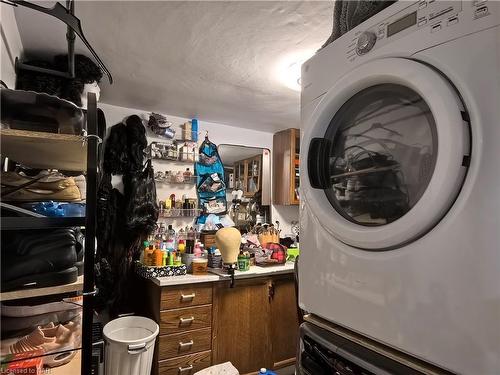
column 387, row 151
column 383, row 154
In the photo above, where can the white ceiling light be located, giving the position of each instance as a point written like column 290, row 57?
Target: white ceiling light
column 287, row 70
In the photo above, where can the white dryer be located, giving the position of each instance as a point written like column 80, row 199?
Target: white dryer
column 400, row 182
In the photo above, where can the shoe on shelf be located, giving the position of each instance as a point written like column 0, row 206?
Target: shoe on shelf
column 56, row 341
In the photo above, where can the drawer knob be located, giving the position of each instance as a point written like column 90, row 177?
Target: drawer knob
column 185, row 369
column 183, row 345
column 186, row 320
column 187, row 297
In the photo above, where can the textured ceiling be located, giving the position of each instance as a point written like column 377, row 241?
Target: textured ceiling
column 214, row 60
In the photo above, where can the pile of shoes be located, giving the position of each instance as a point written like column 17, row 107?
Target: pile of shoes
column 44, row 186
column 51, row 330
column 41, row 258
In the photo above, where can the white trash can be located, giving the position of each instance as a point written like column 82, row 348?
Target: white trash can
column 129, row 345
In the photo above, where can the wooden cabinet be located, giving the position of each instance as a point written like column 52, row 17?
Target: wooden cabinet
column 184, row 314
column 286, row 152
column 241, row 326
column 255, row 323
column 252, row 325
column 284, row 322
column 248, row 175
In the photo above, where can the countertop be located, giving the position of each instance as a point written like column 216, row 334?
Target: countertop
column 214, row 275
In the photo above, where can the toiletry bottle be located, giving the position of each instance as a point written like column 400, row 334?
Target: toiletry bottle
column 158, row 257
column 145, row 253
column 171, row 235
column 191, row 237
column 181, row 246
column 187, row 130
column 187, row 175
column 194, row 130
column 181, row 236
column 264, row 371
column 197, row 251
column 165, row 257
column 150, row 253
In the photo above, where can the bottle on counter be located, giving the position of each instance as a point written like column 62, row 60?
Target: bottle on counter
column 181, row 235
column 145, row 253
column 197, row 250
column 191, row 238
column 158, row 257
column 181, row 246
column 150, row 254
column 187, row 175
column 264, row 371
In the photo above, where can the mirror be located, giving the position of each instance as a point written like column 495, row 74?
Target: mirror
column 248, row 183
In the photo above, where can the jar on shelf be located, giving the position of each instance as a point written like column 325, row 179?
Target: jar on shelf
column 179, row 177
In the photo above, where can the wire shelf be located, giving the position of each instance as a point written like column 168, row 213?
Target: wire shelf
column 179, row 212
column 173, row 179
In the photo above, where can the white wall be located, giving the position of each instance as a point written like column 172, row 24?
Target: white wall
column 10, row 44
column 218, row 134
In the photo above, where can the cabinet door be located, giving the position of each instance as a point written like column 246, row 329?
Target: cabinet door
column 284, row 322
column 286, row 150
column 241, row 325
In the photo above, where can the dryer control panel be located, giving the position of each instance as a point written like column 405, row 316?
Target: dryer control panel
column 433, row 15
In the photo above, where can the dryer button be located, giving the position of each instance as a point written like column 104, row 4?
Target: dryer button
column 365, row 43
column 436, row 28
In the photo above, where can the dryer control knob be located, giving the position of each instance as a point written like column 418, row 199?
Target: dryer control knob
column 366, row 41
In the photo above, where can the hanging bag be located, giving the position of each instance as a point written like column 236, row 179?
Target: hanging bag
column 210, row 185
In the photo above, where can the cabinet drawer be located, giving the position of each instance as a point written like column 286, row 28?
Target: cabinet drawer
column 179, row 344
column 185, row 365
column 187, row 319
column 185, row 296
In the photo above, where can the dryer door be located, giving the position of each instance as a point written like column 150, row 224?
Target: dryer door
column 387, row 154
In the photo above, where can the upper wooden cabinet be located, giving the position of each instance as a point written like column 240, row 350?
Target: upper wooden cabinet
column 247, row 175
column 286, row 150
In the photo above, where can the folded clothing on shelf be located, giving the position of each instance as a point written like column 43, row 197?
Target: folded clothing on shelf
column 40, row 258
column 19, row 187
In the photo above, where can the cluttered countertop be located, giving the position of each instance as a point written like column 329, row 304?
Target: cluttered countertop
column 215, row 275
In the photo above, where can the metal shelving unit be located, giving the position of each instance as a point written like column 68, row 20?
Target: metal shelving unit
column 77, row 286
column 67, row 152
column 15, row 223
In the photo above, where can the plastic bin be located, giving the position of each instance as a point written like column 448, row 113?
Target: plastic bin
column 129, row 345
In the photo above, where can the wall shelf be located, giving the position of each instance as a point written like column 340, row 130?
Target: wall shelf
column 180, row 212
column 171, row 180
column 77, row 286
